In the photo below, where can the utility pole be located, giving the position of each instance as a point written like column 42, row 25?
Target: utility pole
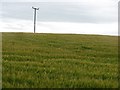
column 35, row 16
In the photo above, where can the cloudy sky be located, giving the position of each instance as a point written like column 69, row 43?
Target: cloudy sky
column 60, row 16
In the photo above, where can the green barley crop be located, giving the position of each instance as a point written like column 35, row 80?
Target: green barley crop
column 59, row 61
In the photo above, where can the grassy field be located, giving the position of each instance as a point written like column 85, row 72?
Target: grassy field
column 59, row 61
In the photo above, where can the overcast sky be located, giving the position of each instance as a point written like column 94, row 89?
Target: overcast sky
column 75, row 14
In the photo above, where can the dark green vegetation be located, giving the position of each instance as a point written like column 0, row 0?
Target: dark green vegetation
column 59, row 60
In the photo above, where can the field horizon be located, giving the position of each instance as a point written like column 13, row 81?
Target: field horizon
column 62, row 33
column 52, row 60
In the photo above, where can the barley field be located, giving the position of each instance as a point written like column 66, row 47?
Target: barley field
column 59, row 61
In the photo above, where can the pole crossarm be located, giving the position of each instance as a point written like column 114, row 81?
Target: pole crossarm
column 35, row 8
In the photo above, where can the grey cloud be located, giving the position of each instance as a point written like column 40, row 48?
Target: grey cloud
column 60, row 12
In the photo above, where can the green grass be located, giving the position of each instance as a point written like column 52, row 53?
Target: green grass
column 59, row 61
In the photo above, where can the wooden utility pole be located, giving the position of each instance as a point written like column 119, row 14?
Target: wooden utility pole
column 35, row 17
